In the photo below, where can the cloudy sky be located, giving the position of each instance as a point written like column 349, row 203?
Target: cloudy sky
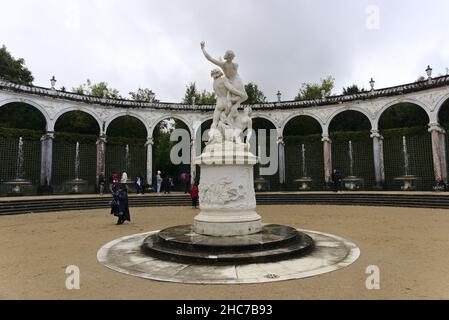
column 279, row 44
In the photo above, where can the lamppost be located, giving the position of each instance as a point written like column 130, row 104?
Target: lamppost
column 279, row 95
column 372, row 83
column 53, row 82
column 429, row 72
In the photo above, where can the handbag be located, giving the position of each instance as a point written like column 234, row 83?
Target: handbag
column 115, row 208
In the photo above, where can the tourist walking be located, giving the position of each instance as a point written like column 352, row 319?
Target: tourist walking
column 186, row 182
column 114, row 183
column 168, row 181
column 183, row 181
column 139, row 185
column 158, row 182
column 337, row 180
column 101, row 184
column 194, row 194
column 119, row 206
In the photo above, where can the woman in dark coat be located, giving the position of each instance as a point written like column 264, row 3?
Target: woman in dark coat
column 337, row 180
column 122, row 198
column 167, row 184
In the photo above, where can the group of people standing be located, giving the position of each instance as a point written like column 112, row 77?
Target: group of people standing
column 166, row 183
column 118, row 186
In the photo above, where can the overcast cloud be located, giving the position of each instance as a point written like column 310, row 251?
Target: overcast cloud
column 279, row 44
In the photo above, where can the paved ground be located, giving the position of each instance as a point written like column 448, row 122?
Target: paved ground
column 409, row 245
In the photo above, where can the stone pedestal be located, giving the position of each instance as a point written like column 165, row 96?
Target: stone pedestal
column 227, row 197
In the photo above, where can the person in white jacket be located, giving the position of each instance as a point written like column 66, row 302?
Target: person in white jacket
column 158, row 182
column 124, row 179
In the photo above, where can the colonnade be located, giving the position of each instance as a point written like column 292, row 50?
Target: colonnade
column 438, row 138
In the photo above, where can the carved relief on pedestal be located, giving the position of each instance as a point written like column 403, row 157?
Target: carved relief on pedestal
column 222, row 192
column 226, row 193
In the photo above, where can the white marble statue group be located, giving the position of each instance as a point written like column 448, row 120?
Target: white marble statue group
column 227, row 197
column 229, row 123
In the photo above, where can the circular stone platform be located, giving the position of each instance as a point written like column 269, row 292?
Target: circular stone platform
column 181, row 244
column 330, row 253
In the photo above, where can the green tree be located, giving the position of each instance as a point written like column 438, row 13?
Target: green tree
column 255, row 95
column 14, row 70
column 192, row 95
column 309, row 91
column 207, row 98
column 127, row 127
column 21, row 116
column 354, row 89
column 162, row 148
column 403, row 115
column 145, row 95
column 421, row 78
column 100, row 90
column 77, row 122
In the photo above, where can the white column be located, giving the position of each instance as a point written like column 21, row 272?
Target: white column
column 193, row 155
column 149, row 145
column 281, row 150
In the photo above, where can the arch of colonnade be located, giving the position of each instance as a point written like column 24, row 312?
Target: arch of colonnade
column 430, row 95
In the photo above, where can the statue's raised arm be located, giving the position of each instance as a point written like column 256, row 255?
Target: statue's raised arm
column 209, row 57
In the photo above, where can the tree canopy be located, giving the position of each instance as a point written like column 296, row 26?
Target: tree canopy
column 145, row 95
column 354, row 89
column 14, row 70
column 309, row 91
column 193, row 96
column 255, row 95
column 77, row 122
column 100, row 90
column 21, row 116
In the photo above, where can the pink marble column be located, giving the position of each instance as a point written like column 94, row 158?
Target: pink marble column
column 438, row 135
column 443, row 156
column 378, row 153
column 101, row 158
column 327, row 153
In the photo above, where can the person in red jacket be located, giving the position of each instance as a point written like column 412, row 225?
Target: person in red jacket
column 194, row 194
